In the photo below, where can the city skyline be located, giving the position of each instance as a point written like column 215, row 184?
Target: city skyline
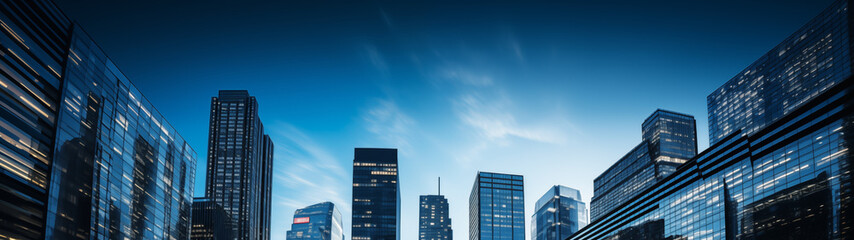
column 484, row 109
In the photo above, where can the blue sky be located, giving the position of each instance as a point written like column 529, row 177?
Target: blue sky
column 553, row 91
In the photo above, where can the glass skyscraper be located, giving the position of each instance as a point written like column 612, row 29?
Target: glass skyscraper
column 376, row 195
column 434, row 222
column 780, row 163
column 558, row 214
column 497, row 207
column 669, row 139
column 210, row 221
column 83, row 154
column 240, row 163
column 320, row 221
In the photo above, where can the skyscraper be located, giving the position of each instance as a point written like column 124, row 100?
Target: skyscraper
column 320, row 221
column 779, row 166
column 672, row 139
column 669, row 139
column 434, row 222
column 210, row 221
column 558, row 214
column 240, row 163
column 376, row 195
column 83, row 154
column 497, row 207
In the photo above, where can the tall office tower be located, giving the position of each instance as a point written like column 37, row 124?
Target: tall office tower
column 780, row 163
column 669, row 140
column 497, row 207
column 210, row 221
column 376, row 195
column 762, row 94
column 558, row 214
column 672, row 140
column 240, row 163
column 320, row 221
column 434, row 222
column 83, row 155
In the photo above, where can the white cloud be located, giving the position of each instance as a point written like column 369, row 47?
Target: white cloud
column 304, row 173
column 388, row 123
column 493, row 114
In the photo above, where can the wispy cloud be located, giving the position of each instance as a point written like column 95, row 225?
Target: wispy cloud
column 493, row 118
column 376, row 59
column 466, row 77
column 389, row 123
column 305, row 173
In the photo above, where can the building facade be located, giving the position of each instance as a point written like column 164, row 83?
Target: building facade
column 83, row 155
column 376, row 195
column 434, row 222
column 320, row 221
column 210, row 221
column 240, row 163
column 497, row 207
column 780, row 163
column 558, row 214
column 669, row 140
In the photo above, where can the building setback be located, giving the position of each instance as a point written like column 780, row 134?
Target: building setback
column 780, row 163
column 434, row 222
column 83, row 154
column 240, row 163
column 210, row 221
column 558, row 214
column 497, row 207
column 320, row 221
column 376, row 195
column 669, row 139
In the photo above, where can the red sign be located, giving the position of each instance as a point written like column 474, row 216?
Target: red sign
column 301, row 220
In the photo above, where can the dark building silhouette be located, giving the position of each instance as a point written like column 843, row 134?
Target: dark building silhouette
column 376, row 195
column 83, row 154
column 669, row 139
column 210, row 221
column 779, row 166
column 434, row 222
column 558, row 214
column 497, row 207
column 240, row 163
column 320, row 221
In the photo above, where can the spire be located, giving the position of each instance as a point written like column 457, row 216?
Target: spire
column 440, row 185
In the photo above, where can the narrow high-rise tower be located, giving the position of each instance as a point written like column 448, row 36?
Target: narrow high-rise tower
column 376, row 195
column 497, row 207
column 240, row 163
column 433, row 220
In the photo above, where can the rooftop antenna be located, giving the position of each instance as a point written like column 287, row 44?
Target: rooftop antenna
column 440, row 185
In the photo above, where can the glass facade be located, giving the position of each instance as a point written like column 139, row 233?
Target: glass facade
column 34, row 38
column 320, row 221
column 497, row 207
column 376, row 195
column 210, row 221
column 811, row 60
column 780, row 165
column 669, row 140
column 84, row 155
column 672, row 140
column 434, row 222
column 240, row 163
column 558, row 214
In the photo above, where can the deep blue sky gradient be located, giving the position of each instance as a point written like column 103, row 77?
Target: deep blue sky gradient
column 553, row 91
